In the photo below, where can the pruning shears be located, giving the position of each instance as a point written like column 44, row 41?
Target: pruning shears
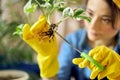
column 83, row 54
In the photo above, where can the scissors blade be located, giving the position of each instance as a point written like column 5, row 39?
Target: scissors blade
column 68, row 42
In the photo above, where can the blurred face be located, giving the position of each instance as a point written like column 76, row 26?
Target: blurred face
column 100, row 27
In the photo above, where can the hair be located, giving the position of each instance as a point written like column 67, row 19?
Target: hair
column 115, row 11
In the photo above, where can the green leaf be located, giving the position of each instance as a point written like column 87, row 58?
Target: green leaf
column 46, row 5
column 68, row 12
column 60, row 6
column 78, row 12
column 83, row 18
column 29, row 7
column 46, row 0
column 19, row 30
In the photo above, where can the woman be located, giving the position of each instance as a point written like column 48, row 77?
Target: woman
column 102, row 30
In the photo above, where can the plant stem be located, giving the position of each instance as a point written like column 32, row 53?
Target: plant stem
column 28, row 19
column 48, row 19
column 60, row 21
column 40, row 7
column 50, row 14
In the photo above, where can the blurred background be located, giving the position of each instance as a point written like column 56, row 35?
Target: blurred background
column 14, row 52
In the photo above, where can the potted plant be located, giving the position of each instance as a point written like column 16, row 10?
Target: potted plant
column 14, row 53
column 13, row 75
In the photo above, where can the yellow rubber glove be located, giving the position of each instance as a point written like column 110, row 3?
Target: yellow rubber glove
column 108, row 58
column 46, row 48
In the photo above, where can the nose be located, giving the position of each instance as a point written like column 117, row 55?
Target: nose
column 95, row 23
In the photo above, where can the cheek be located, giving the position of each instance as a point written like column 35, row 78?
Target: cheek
column 118, row 23
column 86, row 24
column 118, row 26
column 109, row 31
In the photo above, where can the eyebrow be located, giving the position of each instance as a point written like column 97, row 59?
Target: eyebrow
column 108, row 16
column 87, row 9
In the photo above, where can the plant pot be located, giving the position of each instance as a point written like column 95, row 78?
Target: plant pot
column 13, row 75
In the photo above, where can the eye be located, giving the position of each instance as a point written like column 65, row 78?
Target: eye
column 106, row 20
column 88, row 13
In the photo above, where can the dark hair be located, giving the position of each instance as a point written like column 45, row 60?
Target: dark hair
column 114, row 10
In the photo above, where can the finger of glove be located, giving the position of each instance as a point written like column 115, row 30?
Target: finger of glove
column 102, row 74
column 91, row 66
column 26, row 32
column 110, row 66
column 99, row 50
column 40, row 25
column 77, row 60
column 81, row 62
column 99, row 53
column 95, row 72
column 84, row 64
column 94, row 51
column 107, row 69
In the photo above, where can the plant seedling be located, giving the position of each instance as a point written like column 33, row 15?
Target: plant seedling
column 47, row 8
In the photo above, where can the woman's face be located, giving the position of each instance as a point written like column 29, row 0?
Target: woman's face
column 100, row 27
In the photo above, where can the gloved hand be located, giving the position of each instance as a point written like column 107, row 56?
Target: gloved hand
column 108, row 58
column 46, row 48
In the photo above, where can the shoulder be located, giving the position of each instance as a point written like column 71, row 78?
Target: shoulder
column 117, row 47
column 76, row 35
